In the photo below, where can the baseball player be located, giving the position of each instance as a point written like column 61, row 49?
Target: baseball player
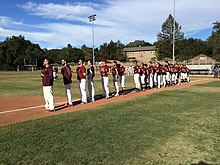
column 55, row 72
column 81, row 77
column 104, row 74
column 67, row 80
column 47, row 81
column 136, row 70
column 151, row 74
column 142, row 76
column 158, row 74
column 115, row 76
column 167, row 69
column 90, row 76
column 122, row 73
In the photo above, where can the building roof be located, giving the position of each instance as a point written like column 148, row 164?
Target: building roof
column 199, row 57
column 141, row 48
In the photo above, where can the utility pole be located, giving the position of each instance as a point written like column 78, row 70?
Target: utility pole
column 174, row 8
column 92, row 19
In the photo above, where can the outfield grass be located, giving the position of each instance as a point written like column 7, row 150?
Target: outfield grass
column 172, row 127
column 31, row 85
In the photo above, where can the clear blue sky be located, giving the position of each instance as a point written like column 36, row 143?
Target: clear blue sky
column 55, row 23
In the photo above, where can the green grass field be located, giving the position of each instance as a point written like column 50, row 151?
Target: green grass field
column 173, row 127
column 31, row 85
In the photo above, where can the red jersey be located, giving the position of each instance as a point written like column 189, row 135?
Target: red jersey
column 47, row 79
column 167, row 68
column 122, row 71
column 136, row 69
column 105, row 71
column 81, row 71
column 114, row 71
column 150, row 69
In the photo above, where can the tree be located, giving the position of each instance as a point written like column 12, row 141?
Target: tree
column 138, row 43
column 112, row 51
column 214, row 41
column 165, row 38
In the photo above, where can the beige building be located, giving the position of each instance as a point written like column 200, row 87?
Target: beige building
column 141, row 54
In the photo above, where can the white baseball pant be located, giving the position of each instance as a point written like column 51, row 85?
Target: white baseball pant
column 116, row 85
column 82, row 88
column 67, row 88
column 137, row 80
column 151, row 81
column 105, row 88
column 122, row 81
column 48, row 97
column 91, row 89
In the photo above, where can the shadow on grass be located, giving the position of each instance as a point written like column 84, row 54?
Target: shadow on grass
column 97, row 97
column 200, row 163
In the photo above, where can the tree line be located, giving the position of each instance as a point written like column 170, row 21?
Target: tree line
column 16, row 50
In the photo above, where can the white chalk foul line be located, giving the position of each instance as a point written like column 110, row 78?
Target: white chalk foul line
column 28, row 108
column 42, row 106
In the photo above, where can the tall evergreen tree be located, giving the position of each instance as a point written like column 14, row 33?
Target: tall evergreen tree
column 165, row 38
column 214, row 41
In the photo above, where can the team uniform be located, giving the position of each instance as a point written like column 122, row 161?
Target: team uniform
column 136, row 70
column 104, row 74
column 142, row 76
column 115, row 79
column 151, row 76
column 67, row 80
column 81, row 70
column 91, row 89
column 122, row 73
column 55, row 72
column 47, row 82
column 158, row 75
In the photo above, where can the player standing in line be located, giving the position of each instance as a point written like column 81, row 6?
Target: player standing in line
column 172, row 74
column 47, row 81
column 142, row 76
column 55, row 72
column 164, row 76
column 81, row 76
column 158, row 74
column 167, row 69
column 67, row 80
column 104, row 74
column 150, row 70
column 136, row 70
column 115, row 76
column 188, row 73
column 122, row 73
column 90, row 76
column 146, row 80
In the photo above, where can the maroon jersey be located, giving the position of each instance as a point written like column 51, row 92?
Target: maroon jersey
column 122, row 71
column 150, row 69
column 47, row 78
column 81, row 71
column 158, row 70
column 114, row 71
column 67, row 74
column 136, row 69
column 183, row 69
column 167, row 68
column 105, row 71
column 142, row 69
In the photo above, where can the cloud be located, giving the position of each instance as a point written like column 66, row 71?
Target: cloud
column 124, row 20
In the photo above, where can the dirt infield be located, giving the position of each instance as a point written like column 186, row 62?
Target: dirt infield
column 19, row 109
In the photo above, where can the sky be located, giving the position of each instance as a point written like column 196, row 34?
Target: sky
column 56, row 23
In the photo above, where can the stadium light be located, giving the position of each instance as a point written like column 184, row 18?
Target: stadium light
column 174, row 8
column 92, row 19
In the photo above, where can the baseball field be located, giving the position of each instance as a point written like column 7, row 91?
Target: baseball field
column 175, row 125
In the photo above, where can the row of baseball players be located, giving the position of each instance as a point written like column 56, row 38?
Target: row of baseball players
column 155, row 75
column 145, row 77
column 82, row 74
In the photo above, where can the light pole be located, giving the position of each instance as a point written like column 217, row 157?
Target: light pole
column 92, row 19
column 174, row 8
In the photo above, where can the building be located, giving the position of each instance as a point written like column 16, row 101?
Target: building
column 201, row 64
column 141, row 53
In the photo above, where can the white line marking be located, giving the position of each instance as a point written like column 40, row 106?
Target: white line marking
column 28, row 108
column 42, row 106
